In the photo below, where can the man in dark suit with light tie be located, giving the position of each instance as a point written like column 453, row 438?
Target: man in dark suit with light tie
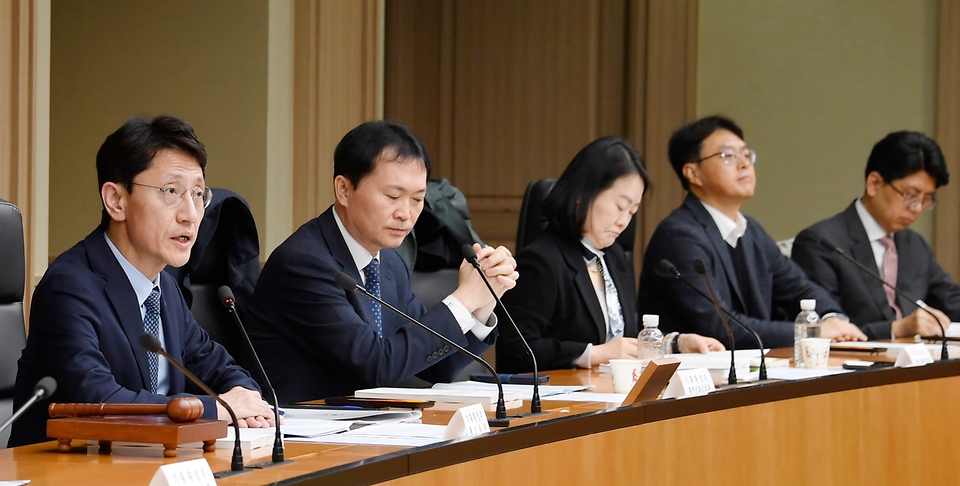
column 99, row 297
column 317, row 340
column 745, row 267
column 903, row 172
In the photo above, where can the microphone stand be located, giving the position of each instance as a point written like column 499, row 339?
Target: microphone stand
column 702, row 270
column 43, row 389
column 471, row 256
column 501, row 420
column 151, row 343
column 226, row 298
column 944, row 355
column 669, row 268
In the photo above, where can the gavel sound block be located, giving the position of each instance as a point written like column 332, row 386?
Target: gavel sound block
column 176, row 423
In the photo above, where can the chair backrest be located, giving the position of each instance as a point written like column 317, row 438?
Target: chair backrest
column 532, row 222
column 12, row 272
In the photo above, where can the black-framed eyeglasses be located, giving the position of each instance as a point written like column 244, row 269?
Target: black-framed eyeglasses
column 729, row 156
column 173, row 194
column 912, row 201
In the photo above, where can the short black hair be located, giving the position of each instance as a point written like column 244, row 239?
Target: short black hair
column 594, row 169
column 901, row 154
column 687, row 142
column 357, row 153
column 131, row 149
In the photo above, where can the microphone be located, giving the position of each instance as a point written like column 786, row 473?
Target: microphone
column 44, row 388
column 226, row 298
column 702, row 271
column 350, row 285
column 824, row 242
column 152, row 344
column 668, row 267
column 471, row 256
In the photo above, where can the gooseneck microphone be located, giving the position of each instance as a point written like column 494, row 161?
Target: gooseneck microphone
column 350, row 285
column 669, row 268
column 226, row 298
column 471, row 256
column 827, row 244
column 152, row 344
column 44, row 388
column 702, row 271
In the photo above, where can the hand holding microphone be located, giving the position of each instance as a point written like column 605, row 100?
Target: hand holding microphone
column 500, row 268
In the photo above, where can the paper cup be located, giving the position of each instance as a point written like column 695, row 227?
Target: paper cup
column 625, row 373
column 816, row 352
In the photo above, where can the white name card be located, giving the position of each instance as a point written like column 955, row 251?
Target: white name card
column 187, row 473
column 466, row 422
column 913, row 355
column 690, row 383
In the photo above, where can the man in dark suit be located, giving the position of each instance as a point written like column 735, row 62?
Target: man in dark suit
column 903, row 172
column 318, row 340
column 745, row 267
column 99, row 297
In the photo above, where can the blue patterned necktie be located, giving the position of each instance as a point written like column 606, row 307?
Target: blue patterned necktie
column 614, row 312
column 371, row 273
column 151, row 324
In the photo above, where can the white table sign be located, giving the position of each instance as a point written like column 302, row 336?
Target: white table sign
column 467, row 421
column 187, row 473
column 690, row 383
column 913, row 355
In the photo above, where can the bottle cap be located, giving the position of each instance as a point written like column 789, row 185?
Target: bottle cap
column 808, row 304
column 651, row 320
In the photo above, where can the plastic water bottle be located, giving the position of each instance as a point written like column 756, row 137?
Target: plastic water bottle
column 806, row 325
column 650, row 340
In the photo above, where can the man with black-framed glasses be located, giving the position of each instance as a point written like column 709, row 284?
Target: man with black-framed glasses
column 903, row 172
column 97, row 298
column 749, row 274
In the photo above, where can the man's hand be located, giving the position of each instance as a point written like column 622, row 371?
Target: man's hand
column 695, row 343
column 617, row 348
column 499, row 267
column 251, row 410
column 840, row 330
column 920, row 323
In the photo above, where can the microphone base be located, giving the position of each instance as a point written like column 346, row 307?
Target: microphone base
column 500, row 422
column 229, row 472
column 268, row 464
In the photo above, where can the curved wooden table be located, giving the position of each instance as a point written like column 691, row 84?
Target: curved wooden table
column 887, row 426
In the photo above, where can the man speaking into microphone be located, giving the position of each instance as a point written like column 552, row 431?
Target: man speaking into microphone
column 316, row 339
column 903, row 173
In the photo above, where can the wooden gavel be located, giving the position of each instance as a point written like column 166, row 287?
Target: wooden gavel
column 180, row 409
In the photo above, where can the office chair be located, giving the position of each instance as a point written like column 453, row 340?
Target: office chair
column 227, row 252
column 532, row 222
column 13, row 335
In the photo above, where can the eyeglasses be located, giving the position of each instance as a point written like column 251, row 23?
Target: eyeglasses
column 729, row 156
column 173, row 194
column 912, row 201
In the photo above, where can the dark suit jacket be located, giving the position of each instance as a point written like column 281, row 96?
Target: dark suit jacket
column 85, row 327
column 556, row 307
column 689, row 233
column 316, row 340
column 862, row 297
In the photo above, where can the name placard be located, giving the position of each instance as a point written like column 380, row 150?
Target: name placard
column 466, row 422
column 913, row 355
column 690, row 383
column 187, row 473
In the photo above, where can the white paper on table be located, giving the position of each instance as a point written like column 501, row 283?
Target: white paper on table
column 365, row 415
column 411, row 435
column 953, row 330
column 589, row 397
column 525, row 391
column 312, row 428
column 802, row 373
column 15, row 482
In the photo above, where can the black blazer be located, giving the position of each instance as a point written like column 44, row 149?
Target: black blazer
column 316, row 340
column 85, row 329
column 556, row 307
column 862, row 297
column 689, row 233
